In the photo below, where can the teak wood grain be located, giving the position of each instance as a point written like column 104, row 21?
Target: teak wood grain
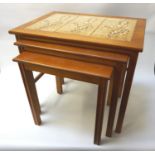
column 94, row 70
column 128, row 48
column 107, row 55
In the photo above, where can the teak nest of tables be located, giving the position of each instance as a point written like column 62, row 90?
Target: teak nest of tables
column 111, row 43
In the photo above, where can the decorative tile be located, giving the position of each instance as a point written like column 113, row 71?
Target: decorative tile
column 90, row 26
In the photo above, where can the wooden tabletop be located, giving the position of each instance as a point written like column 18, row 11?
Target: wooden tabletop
column 65, row 64
column 122, row 32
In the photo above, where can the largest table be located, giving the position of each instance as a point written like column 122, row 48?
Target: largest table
column 122, row 35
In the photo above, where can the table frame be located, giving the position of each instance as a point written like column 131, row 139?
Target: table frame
column 131, row 49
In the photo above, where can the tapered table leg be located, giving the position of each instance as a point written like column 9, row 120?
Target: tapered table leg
column 122, row 77
column 29, row 84
column 126, row 92
column 110, row 92
column 120, row 80
column 59, row 83
column 113, row 103
column 62, row 79
column 100, row 112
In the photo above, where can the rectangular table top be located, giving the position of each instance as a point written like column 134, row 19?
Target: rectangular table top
column 106, row 30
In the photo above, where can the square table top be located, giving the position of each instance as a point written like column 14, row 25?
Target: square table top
column 107, row 30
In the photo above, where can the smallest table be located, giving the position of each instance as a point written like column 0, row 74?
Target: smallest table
column 61, row 67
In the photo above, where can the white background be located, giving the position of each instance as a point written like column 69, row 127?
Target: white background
column 69, row 119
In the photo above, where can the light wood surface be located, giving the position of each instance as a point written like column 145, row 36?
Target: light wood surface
column 107, row 55
column 64, row 64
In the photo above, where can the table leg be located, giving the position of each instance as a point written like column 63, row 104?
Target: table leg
column 62, row 79
column 110, row 92
column 126, row 92
column 113, row 103
column 59, row 83
column 121, row 82
column 100, row 111
column 29, row 84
